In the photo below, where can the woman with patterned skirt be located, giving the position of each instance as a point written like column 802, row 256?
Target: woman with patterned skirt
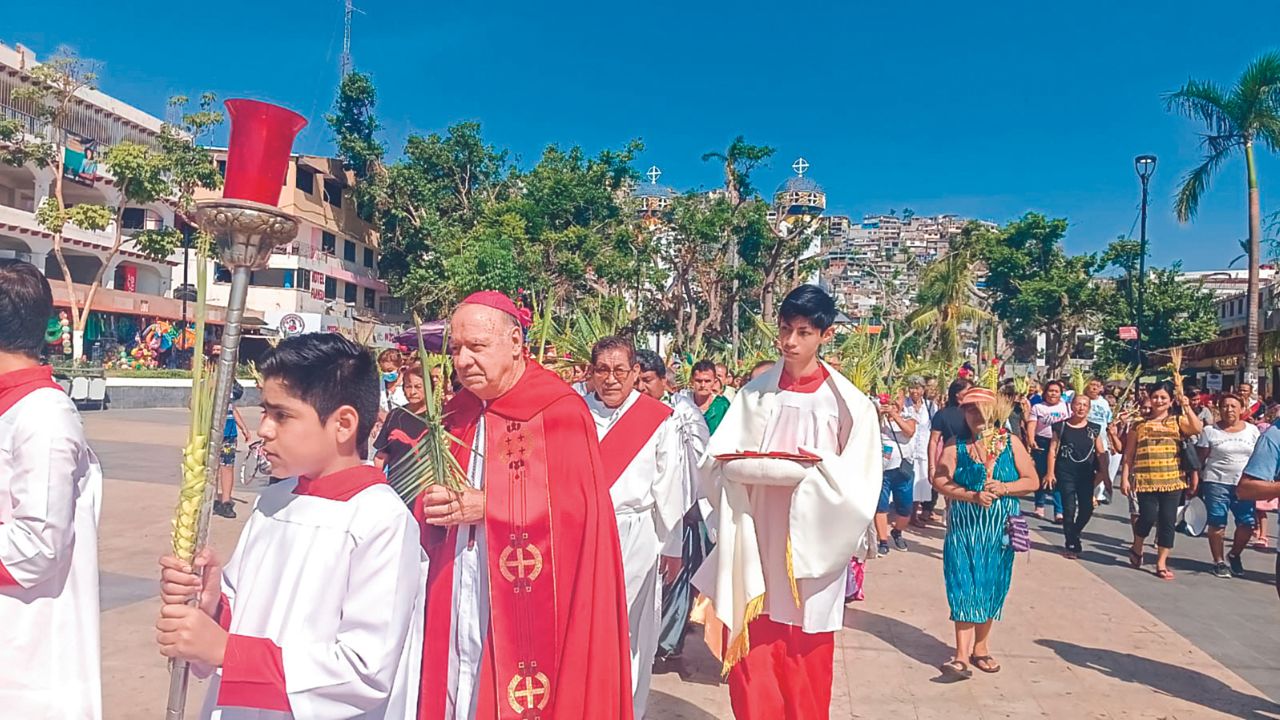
column 977, row 559
column 1152, row 471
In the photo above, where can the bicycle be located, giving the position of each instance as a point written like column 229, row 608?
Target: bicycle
column 255, row 464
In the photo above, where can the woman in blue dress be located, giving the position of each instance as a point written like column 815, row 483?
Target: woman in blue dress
column 977, row 559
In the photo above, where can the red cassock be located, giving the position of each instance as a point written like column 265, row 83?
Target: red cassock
column 557, row 645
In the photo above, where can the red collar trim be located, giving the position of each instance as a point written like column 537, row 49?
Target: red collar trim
column 342, row 485
column 18, row 384
column 807, row 384
column 40, row 373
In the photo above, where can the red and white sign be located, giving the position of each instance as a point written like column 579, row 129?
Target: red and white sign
column 1128, row 332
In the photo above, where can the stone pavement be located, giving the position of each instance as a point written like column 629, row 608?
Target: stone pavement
column 1071, row 644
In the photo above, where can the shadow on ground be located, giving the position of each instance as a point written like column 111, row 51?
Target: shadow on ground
column 695, row 664
column 1172, row 680
column 670, row 707
column 907, row 639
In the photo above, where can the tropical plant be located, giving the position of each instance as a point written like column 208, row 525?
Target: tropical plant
column 948, row 296
column 1235, row 119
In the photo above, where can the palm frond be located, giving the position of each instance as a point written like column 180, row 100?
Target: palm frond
column 1194, row 185
column 1204, row 101
column 1257, row 90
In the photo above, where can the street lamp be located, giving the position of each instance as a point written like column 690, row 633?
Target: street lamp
column 1145, row 165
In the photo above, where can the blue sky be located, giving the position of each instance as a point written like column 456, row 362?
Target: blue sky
column 984, row 109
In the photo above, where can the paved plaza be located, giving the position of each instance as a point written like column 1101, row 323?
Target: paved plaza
column 1080, row 639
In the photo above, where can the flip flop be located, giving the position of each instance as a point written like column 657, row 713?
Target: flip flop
column 955, row 671
column 1164, row 574
column 1070, row 554
column 1135, row 559
column 985, row 663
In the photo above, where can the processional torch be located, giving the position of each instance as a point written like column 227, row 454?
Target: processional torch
column 245, row 225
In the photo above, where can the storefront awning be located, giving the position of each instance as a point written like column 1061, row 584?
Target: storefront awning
column 140, row 305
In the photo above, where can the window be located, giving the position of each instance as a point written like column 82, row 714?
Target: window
column 302, row 279
column 349, row 293
column 328, row 243
column 333, row 193
column 330, row 288
column 369, row 298
column 222, row 168
column 305, row 179
column 368, row 257
column 134, row 218
column 349, row 251
column 221, row 274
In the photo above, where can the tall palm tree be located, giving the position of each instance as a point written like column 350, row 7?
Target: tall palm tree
column 948, row 296
column 1235, row 119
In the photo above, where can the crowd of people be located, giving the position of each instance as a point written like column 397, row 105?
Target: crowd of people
column 602, row 512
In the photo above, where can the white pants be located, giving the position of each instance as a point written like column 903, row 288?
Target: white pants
column 640, row 551
column 1113, row 469
column 922, row 488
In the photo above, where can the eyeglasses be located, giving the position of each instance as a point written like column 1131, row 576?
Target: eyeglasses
column 604, row 372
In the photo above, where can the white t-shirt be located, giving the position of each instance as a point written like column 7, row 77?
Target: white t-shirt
column 894, row 442
column 1045, row 415
column 1228, row 453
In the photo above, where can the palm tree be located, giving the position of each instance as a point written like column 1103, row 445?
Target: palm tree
column 948, row 296
column 1234, row 119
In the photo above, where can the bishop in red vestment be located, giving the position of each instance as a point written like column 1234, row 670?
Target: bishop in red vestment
column 526, row 615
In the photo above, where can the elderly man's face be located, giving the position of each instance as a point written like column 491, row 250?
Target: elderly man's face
column 486, row 347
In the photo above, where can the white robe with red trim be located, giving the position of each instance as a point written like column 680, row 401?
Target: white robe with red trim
column 649, row 502
column 819, row 511
column 326, row 603
column 50, row 500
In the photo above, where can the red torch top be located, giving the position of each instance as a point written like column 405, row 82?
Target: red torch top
column 258, row 153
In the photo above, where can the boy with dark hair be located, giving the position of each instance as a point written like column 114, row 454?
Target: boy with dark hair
column 794, row 474
column 50, row 498
column 318, row 612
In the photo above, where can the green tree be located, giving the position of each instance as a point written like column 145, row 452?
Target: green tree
column 431, row 199
column 170, row 170
column 1174, row 312
column 1235, row 120
column 948, row 297
column 1035, row 287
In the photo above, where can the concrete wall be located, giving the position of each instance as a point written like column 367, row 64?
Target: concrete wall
column 131, row 394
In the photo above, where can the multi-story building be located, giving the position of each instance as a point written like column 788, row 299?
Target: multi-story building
column 327, row 278
column 878, row 262
column 135, row 290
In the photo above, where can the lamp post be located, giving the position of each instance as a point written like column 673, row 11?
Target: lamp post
column 1145, row 165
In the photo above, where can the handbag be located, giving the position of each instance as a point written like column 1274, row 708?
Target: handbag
column 1019, row 535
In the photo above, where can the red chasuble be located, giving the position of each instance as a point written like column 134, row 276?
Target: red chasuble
column 557, row 645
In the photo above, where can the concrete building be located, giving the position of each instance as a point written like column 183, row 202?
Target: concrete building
column 878, row 261
column 326, row 279
column 135, row 290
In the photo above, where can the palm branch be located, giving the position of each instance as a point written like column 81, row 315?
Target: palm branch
column 431, row 460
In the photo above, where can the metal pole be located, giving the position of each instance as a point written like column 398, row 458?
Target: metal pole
column 186, row 280
column 226, row 375
column 1142, row 268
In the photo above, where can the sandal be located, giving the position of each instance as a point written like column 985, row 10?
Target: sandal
column 955, row 670
column 1135, row 559
column 1070, row 554
column 985, row 663
column 1164, row 573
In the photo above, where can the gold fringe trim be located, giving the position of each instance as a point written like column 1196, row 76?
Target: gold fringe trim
column 791, row 576
column 739, row 646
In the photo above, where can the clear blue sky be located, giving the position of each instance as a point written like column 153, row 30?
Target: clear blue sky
column 984, row 109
